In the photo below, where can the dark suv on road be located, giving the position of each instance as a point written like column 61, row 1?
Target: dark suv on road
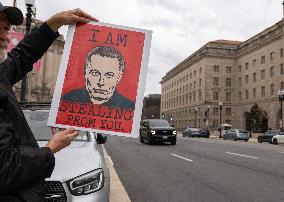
column 159, row 130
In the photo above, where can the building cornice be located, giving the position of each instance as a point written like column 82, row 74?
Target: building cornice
column 269, row 35
column 229, row 49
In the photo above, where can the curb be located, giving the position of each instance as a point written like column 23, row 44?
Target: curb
column 117, row 191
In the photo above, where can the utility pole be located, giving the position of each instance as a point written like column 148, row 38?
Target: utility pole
column 29, row 5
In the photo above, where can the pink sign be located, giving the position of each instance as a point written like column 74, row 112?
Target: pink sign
column 15, row 38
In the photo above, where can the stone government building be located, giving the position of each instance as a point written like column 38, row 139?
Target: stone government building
column 238, row 74
column 41, row 83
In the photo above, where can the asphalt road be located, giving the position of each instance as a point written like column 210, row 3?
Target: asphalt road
column 199, row 170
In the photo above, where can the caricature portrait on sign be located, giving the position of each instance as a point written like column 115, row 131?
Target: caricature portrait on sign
column 101, row 80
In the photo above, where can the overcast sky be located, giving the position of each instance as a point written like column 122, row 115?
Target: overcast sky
column 180, row 27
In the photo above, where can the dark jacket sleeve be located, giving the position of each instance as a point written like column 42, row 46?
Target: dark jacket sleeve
column 20, row 165
column 21, row 59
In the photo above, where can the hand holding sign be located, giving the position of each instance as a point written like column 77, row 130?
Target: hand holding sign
column 69, row 17
column 61, row 139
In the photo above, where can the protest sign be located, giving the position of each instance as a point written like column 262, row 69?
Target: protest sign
column 101, row 80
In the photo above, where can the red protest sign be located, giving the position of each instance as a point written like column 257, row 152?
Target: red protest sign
column 102, row 80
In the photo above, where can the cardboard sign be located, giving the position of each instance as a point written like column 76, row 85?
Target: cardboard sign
column 15, row 38
column 101, row 80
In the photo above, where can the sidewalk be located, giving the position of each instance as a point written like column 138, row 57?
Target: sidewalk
column 117, row 191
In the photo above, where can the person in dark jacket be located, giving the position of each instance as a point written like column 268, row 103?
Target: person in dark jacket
column 23, row 165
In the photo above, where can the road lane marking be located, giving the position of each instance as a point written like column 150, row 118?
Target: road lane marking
column 182, row 157
column 252, row 157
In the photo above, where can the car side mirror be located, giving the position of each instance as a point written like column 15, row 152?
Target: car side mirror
column 145, row 124
column 101, row 138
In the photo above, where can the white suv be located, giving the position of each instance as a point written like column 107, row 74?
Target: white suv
column 80, row 172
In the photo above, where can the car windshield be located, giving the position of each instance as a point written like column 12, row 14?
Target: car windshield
column 159, row 123
column 243, row 131
column 37, row 121
column 194, row 129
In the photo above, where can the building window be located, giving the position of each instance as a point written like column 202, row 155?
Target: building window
column 240, row 81
column 240, row 96
column 228, row 111
column 240, row 68
column 247, row 79
column 271, row 71
column 199, row 95
column 228, row 69
column 281, row 52
column 271, row 56
column 199, row 82
column 282, row 85
column 254, row 62
column 215, row 81
column 254, row 93
column 247, row 94
column 272, row 89
column 281, row 69
column 194, row 73
column 247, row 65
column 215, row 95
column 228, row 97
column 194, row 84
column 262, row 74
column 215, row 110
column 216, row 68
column 262, row 60
column 190, row 75
column 254, row 77
column 200, row 70
column 215, row 123
column 228, row 82
column 263, row 91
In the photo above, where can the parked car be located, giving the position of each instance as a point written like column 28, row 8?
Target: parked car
column 267, row 136
column 236, row 134
column 80, row 172
column 278, row 139
column 195, row 132
column 159, row 130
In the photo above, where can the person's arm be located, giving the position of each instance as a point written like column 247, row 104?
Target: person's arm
column 21, row 59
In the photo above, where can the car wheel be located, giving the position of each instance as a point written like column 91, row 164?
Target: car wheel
column 141, row 139
column 246, row 140
column 235, row 139
column 174, row 141
column 275, row 141
column 183, row 135
column 259, row 140
column 150, row 140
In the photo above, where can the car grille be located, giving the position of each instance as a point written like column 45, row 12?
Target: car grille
column 54, row 192
column 164, row 132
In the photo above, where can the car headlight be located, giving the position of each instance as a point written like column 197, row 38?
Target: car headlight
column 153, row 132
column 174, row 132
column 87, row 183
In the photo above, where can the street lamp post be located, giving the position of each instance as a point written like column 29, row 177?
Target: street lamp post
column 195, row 113
column 30, row 5
column 207, row 116
column 281, row 98
column 220, row 105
